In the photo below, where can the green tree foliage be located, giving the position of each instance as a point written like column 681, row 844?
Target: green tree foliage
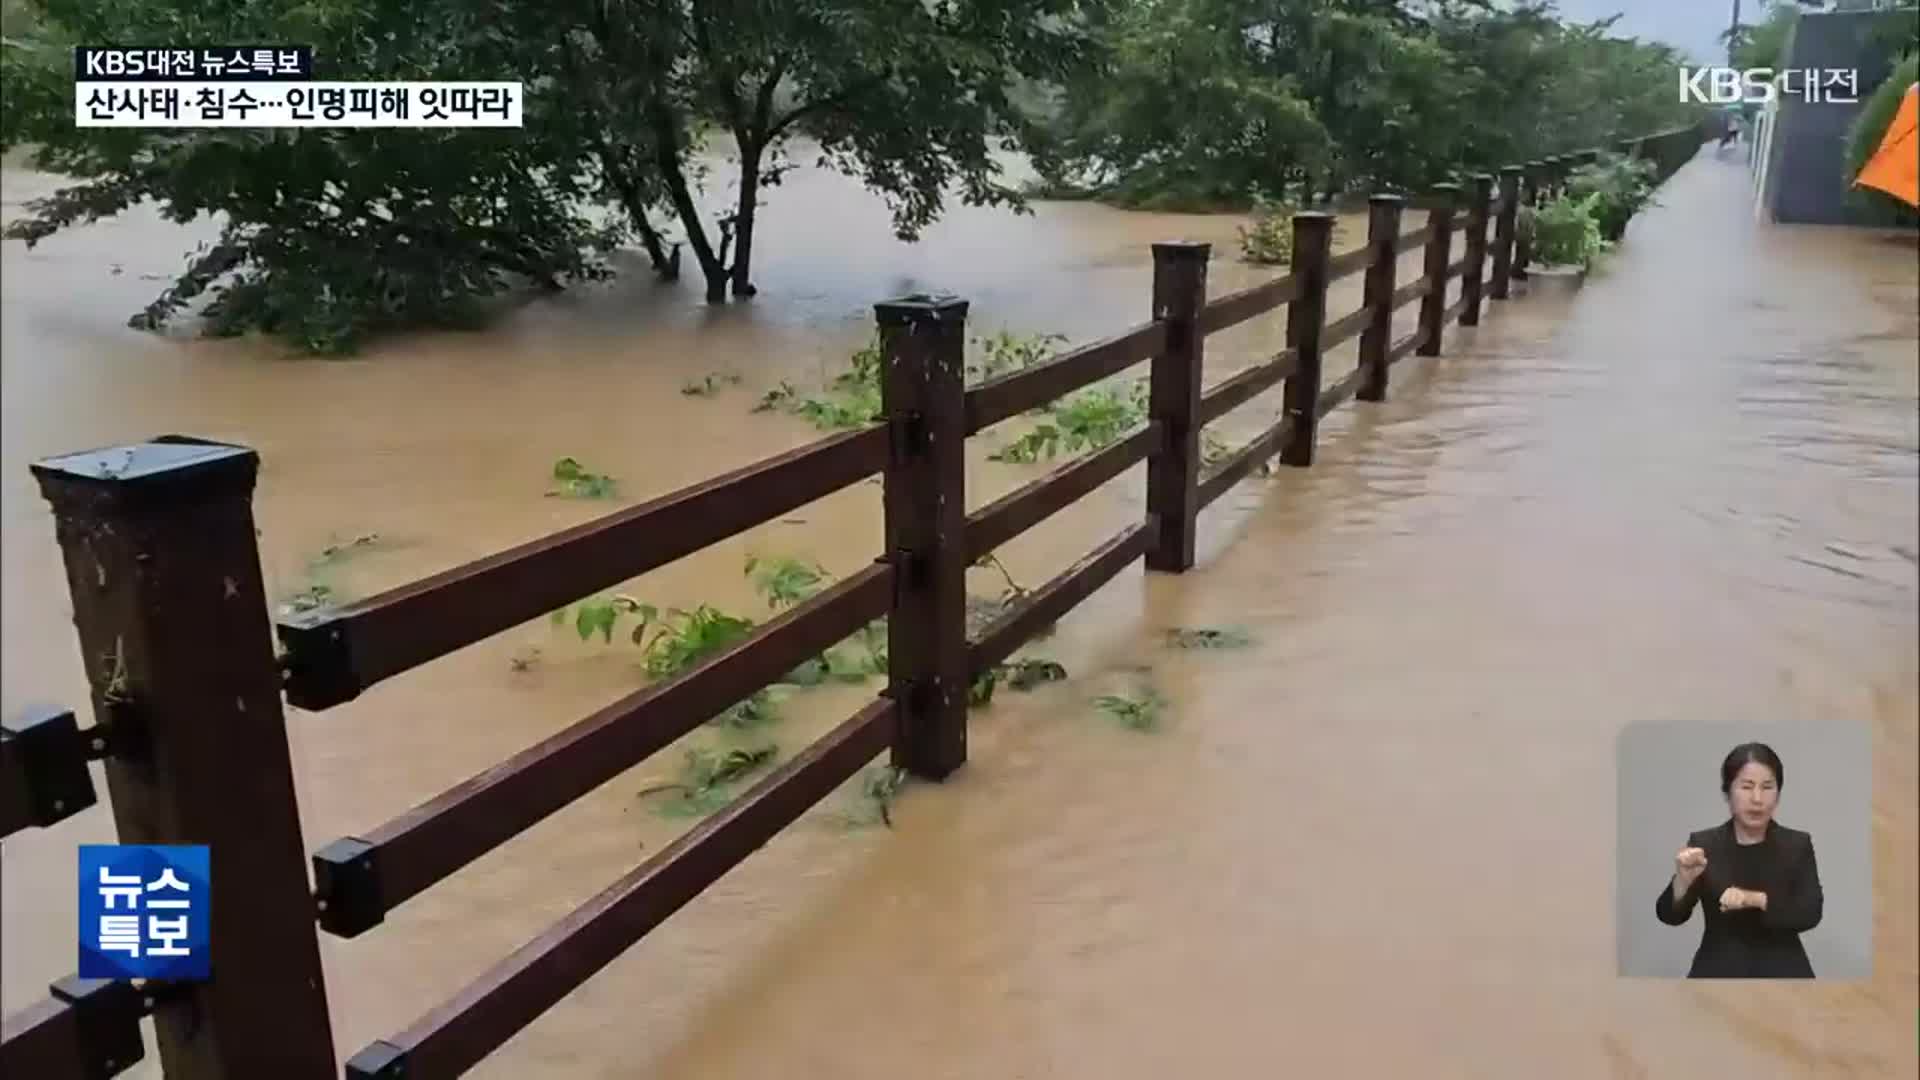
column 1621, row 186
column 1207, row 101
column 329, row 234
column 912, row 98
column 1567, row 233
column 1181, row 113
column 1762, row 44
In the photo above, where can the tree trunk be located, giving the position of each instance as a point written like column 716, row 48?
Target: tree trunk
column 667, row 154
column 636, row 207
column 750, row 152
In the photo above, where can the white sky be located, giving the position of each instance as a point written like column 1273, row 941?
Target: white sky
column 1693, row 26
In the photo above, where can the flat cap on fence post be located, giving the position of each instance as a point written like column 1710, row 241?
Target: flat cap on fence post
column 1173, row 474
column 1433, row 306
column 1306, row 322
column 923, row 393
column 164, row 572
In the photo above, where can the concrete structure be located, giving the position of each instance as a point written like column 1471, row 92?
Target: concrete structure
column 1799, row 146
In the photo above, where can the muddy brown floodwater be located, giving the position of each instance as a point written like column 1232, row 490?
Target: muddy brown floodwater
column 1378, row 842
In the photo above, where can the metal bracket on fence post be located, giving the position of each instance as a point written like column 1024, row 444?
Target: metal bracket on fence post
column 1473, row 282
column 164, row 573
column 1173, row 475
column 923, row 393
column 1433, row 306
column 378, row 1060
column 1383, row 236
column 1306, row 322
column 346, row 887
column 320, row 671
column 107, row 1016
column 43, row 769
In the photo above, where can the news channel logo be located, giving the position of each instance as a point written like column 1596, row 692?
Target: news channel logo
column 145, row 911
column 267, row 86
column 1762, row 86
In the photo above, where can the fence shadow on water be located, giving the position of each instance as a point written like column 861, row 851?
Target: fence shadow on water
column 164, row 572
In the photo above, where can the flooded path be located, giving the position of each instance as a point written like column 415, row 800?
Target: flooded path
column 1378, row 842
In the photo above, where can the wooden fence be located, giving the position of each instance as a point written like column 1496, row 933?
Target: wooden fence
column 162, row 564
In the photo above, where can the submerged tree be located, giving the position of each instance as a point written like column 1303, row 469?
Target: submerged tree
column 331, row 234
column 1205, row 100
column 327, row 234
column 1180, row 112
column 910, row 97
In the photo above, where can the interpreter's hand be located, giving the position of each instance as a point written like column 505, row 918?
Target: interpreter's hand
column 1689, row 865
column 1735, row 899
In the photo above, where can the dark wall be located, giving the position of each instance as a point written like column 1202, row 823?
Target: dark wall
column 1808, row 183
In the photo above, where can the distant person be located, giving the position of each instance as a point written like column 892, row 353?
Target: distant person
column 1754, row 879
column 1732, row 132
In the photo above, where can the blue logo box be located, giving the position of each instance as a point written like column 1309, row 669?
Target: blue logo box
column 144, row 912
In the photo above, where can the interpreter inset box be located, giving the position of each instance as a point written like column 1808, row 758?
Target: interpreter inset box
column 1745, row 850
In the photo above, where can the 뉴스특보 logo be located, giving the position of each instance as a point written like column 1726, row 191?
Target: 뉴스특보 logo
column 145, row 911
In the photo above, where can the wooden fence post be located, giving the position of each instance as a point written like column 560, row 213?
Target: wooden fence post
column 1530, row 197
column 1383, row 231
column 1503, row 232
column 1473, row 281
column 923, row 393
column 1433, row 306
column 164, row 572
column 1306, row 320
column 1173, row 474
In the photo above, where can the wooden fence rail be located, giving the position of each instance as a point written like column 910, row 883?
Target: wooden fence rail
column 164, row 571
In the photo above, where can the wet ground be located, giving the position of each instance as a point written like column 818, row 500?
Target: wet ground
column 1377, row 842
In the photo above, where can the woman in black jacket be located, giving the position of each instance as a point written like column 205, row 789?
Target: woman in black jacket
column 1754, row 879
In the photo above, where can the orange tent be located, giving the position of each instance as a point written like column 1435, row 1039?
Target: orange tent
column 1895, row 167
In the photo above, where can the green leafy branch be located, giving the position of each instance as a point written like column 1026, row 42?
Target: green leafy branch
column 708, row 779
column 851, row 398
column 1208, row 638
column 1139, row 711
column 318, row 592
column 1088, row 420
column 785, row 581
column 573, row 480
column 1005, row 353
column 1023, row 675
column 709, row 385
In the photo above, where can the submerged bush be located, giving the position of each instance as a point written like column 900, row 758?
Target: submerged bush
column 1566, row 234
column 1621, row 187
column 1269, row 239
